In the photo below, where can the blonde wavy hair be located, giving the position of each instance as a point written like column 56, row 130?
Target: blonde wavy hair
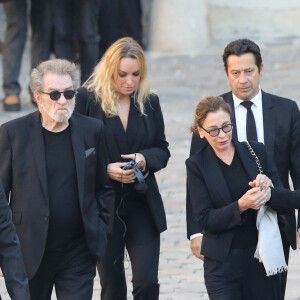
column 102, row 81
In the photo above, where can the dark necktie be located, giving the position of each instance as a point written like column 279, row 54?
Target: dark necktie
column 250, row 125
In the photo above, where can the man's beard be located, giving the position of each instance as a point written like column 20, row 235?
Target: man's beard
column 60, row 118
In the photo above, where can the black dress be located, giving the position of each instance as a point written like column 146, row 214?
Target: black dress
column 139, row 218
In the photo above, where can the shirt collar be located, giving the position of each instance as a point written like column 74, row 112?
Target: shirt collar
column 257, row 100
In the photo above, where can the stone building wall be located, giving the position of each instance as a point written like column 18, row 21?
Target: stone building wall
column 190, row 25
column 270, row 20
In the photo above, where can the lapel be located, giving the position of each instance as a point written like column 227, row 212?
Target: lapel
column 77, row 139
column 228, row 98
column 269, row 122
column 148, row 119
column 37, row 143
column 214, row 177
column 247, row 159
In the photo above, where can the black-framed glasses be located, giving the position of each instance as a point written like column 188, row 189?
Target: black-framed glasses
column 55, row 95
column 215, row 132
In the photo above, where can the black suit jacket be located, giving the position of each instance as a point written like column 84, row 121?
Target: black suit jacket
column 283, row 198
column 156, row 147
column 281, row 119
column 211, row 201
column 11, row 260
column 23, row 173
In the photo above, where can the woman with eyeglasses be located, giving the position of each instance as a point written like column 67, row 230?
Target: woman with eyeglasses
column 117, row 93
column 236, row 265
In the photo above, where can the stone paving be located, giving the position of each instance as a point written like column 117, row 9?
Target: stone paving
column 181, row 81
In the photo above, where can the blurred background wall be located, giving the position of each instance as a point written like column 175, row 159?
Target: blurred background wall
column 190, row 25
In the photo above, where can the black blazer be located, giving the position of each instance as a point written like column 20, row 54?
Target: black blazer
column 211, row 200
column 281, row 119
column 23, row 173
column 11, row 260
column 156, row 150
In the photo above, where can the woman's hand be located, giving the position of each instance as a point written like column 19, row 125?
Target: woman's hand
column 139, row 158
column 262, row 181
column 254, row 198
column 115, row 172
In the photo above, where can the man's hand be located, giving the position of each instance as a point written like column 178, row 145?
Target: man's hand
column 1, row 274
column 196, row 247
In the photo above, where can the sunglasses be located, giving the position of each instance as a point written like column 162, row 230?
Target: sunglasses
column 55, row 95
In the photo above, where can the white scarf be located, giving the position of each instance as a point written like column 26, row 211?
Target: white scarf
column 269, row 248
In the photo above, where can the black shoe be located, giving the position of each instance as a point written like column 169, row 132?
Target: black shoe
column 15, row 106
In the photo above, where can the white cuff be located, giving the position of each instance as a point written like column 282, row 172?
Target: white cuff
column 195, row 235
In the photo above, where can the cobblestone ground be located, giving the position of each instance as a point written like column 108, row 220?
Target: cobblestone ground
column 180, row 81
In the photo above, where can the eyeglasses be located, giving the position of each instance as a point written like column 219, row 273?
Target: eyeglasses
column 55, row 95
column 215, row 132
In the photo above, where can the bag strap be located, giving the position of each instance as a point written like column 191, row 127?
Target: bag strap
column 252, row 152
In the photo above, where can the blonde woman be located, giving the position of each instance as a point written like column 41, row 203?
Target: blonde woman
column 118, row 94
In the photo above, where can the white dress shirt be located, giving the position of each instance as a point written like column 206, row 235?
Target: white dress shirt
column 241, row 117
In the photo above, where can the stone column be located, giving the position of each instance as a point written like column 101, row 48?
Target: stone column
column 179, row 25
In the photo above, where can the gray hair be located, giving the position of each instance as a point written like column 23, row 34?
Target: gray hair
column 55, row 66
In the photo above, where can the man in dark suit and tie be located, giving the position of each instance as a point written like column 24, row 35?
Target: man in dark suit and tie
column 259, row 116
column 53, row 167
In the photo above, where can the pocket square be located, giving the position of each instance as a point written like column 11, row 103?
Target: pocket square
column 90, row 152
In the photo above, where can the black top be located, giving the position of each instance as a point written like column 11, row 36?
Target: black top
column 134, row 139
column 65, row 222
column 237, row 180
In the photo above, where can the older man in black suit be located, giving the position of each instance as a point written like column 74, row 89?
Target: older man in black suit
column 266, row 118
column 54, row 169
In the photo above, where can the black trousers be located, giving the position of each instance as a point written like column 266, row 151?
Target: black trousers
column 71, row 272
column 108, row 24
column 286, row 249
column 240, row 277
column 117, row 19
column 84, row 25
column 142, row 241
column 130, row 19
